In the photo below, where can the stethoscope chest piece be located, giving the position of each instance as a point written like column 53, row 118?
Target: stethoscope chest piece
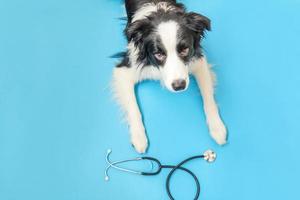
column 210, row 156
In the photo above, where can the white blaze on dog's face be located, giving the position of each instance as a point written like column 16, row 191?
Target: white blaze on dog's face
column 175, row 73
column 168, row 39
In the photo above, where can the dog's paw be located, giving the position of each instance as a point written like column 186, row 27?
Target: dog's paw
column 139, row 141
column 218, row 131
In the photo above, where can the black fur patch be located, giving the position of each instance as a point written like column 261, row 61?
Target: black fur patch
column 192, row 27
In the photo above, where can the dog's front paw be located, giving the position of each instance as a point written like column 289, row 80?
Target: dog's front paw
column 139, row 141
column 218, row 131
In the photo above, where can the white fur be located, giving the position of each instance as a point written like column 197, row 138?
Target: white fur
column 205, row 78
column 150, row 73
column 124, row 80
column 149, row 8
column 174, row 68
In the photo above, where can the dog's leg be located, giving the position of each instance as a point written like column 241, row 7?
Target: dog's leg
column 124, row 80
column 205, row 78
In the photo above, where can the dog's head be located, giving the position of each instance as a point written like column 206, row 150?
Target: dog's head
column 170, row 41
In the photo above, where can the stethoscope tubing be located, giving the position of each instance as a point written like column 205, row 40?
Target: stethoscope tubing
column 209, row 156
column 174, row 168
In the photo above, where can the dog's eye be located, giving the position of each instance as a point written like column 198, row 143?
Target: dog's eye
column 184, row 52
column 160, row 56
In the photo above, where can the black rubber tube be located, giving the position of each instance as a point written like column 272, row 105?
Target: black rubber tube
column 174, row 168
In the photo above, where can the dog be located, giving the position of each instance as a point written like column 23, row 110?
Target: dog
column 164, row 44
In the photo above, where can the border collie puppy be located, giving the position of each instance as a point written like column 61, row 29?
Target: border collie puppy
column 164, row 44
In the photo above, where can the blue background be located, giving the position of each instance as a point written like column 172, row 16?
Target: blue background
column 57, row 117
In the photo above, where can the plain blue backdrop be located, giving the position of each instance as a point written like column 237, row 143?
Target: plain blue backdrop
column 57, row 116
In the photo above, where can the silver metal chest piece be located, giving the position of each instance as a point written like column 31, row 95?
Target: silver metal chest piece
column 210, row 156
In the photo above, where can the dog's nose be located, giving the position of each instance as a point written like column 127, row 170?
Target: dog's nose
column 179, row 84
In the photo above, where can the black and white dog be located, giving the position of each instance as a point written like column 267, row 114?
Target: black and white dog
column 164, row 44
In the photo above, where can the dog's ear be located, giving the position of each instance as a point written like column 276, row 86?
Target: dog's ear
column 196, row 22
column 137, row 30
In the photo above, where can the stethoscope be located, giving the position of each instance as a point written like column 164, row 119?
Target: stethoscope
column 208, row 155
